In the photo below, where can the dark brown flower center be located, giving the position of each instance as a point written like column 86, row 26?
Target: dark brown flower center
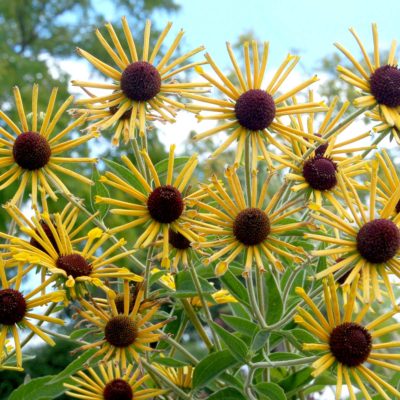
column 378, row 241
column 120, row 331
column 350, row 344
column 398, row 207
column 178, row 241
column 118, row 389
column 255, row 109
column 165, row 204
column 74, row 265
column 12, row 306
column 140, row 81
column 49, row 235
column 385, row 85
column 31, row 151
column 251, row 226
column 320, row 173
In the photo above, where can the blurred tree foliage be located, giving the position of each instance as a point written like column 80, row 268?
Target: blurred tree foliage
column 35, row 36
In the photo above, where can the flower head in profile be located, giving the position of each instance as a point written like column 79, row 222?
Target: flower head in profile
column 122, row 335
column 180, row 376
column 141, row 85
column 237, row 228
column 251, row 107
column 19, row 309
column 53, row 247
column 347, row 344
column 33, row 150
column 161, row 206
column 379, row 83
column 111, row 382
column 317, row 175
column 368, row 242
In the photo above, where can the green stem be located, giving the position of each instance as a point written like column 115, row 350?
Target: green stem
column 147, row 270
column 138, row 156
column 194, row 319
column 260, row 290
column 179, row 348
column 165, row 380
column 253, row 301
column 179, row 334
column 247, row 167
column 373, row 144
column 285, row 363
column 203, row 301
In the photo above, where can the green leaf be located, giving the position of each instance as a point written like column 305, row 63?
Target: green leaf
column 98, row 189
column 297, row 337
column 186, row 288
column 270, row 391
column 124, row 173
column 241, row 325
column 235, row 287
column 79, row 333
column 297, row 379
column 162, row 166
column 50, row 387
column 272, row 300
column 235, row 345
column 211, row 367
column 169, row 362
column 227, row 394
column 259, row 340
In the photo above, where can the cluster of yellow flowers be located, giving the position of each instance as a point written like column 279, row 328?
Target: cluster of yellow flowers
column 332, row 199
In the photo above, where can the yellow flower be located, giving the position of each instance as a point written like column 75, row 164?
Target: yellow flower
column 181, row 376
column 140, row 84
column 17, row 309
column 380, row 84
column 250, row 109
column 111, row 382
column 348, row 344
column 162, row 206
column 251, row 229
column 318, row 173
column 368, row 242
column 122, row 334
column 53, row 246
column 34, row 153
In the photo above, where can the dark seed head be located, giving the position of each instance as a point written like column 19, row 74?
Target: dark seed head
column 118, row 389
column 385, row 85
column 251, row 226
column 49, row 235
column 120, row 331
column 74, row 265
column 378, row 241
column 31, row 151
column 398, row 207
column 350, row 344
column 178, row 241
column 255, row 109
column 165, row 204
column 140, row 81
column 12, row 306
column 320, row 173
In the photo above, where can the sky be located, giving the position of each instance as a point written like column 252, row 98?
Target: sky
column 309, row 27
